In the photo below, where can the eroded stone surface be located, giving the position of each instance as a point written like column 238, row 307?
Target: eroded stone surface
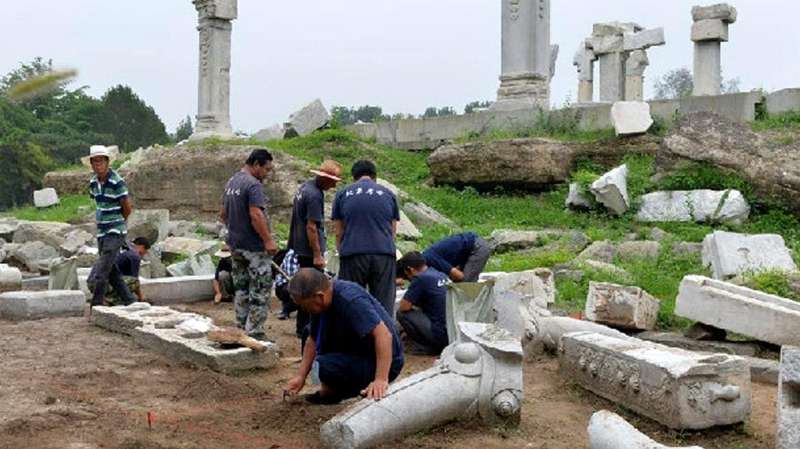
column 730, row 254
column 611, row 190
column 45, row 198
column 677, row 388
column 609, row 431
column 788, row 436
column 174, row 290
column 631, row 117
column 310, row 118
column 30, row 305
column 702, row 206
column 10, row 278
column 620, row 306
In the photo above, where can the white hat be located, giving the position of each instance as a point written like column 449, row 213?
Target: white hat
column 99, row 150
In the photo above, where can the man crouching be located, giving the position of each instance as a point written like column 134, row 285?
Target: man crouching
column 353, row 347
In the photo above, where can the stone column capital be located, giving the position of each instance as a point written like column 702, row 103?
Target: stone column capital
column 216, row 9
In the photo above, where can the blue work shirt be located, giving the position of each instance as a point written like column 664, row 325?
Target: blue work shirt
column 309, row 205
column 242, row 191
column 453, row 251
column 428, row 291
column 367, row 211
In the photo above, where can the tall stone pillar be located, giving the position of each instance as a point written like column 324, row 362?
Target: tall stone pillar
column 634, row 75
column 214, row 82
column 526, row 55
column 710, row 29
column 607, row 42
column 584, row 61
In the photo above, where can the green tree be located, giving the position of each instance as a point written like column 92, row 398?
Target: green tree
column 430, row 112
column 129, row 120
column 370, row 114
column 184, row 130
column 342, row 116
column 24, row 165
column 674, row 84
column 470, row 107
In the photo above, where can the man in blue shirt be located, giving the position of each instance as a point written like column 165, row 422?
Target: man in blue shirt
column 423, row 307
column 353, row 347
column 365, row 216
column 250, row 241
column 462, row 256
column 128, row 262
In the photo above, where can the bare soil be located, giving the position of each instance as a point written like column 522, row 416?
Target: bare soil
column 66, row 384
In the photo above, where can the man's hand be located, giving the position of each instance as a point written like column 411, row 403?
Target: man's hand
column 217, row 298
column 376, row 389
column 319, row 262
column 295, row 384
column 270, row 247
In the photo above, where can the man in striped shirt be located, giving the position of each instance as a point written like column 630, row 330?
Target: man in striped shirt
column 110, row 194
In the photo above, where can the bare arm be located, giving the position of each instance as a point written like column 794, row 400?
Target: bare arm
column 338, row 228
column 260, row 225
column 394, row 230
column 405, row 306
column 217, row 289
column 125, row 203
column 456, row 275
column 383, row 361
column 313, row 242
column 309, row 354
column 222, row 218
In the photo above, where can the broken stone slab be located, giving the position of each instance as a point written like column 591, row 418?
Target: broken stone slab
column 677, row 388
column 422, row 214
column 176, row 290
column 312, row 117
column 469, row 302
column 29, row 305
column 504, row 240
column 10, row 278
column 702, row 206
column 543, row 334
column 611, row 190
column 74, row 241
column 764, row 371
column 730, row 254
column 193, row 266
column 788, row 435
column 744, row 349
column 710, row 30
column 576, row 198
column 685, row 249
column 631, row 117
column 602, row 251
column 164, row 330
column 406, row 229
column 36, row 256
column 604, row 267
column 622, row 307
column 176, row 247
column 721, row 11
column 45, row 198
column 50, row 233
column 640, row 249
column 536, row 285
column 35, row 284
column 63, row 275
column 738, row 309
column 479, row 376
column 643, row 39
column 274, row 132
column 152, row 224
column 608, row 430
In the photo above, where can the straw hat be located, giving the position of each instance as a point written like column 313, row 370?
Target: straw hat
column 329, row 169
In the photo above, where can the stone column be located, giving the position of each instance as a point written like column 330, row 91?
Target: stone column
column 214, row 83
column 634, row 75
column 607, row 43
column 584, row 61
column 710, row 29
column 526, row 55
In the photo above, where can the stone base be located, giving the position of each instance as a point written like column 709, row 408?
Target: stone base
column 788, row 436
column 201, row 135
column 158, row 328
column 526, row 91
column 177, row 290
column 19, row 306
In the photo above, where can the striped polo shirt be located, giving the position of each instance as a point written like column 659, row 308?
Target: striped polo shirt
column 108, row 196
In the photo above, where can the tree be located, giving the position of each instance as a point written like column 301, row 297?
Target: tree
column 731, row 86
column 470, row 107
column 24, row 165
column 447, row 110
column 133, row 123
column 430, row 112
column 674, row 84
column 184, row 130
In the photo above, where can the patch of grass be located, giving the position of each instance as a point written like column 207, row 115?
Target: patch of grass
column 72, row 208
column 562, row 124
column 701, row 175
column 785, row 120
column 775, row 282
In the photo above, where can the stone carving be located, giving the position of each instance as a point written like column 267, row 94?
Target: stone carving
column 677, row 388
column 737, row 309
column 621, row 307
column 710, row 29
column 702, row 206
column 608, row 430
column 730, row 254
column 543, row 333
column 479, row 376
column 584, row 62
column 788, row 436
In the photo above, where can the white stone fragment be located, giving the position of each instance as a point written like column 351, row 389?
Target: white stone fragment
column 738, row 309
column 576, row 198
column 788, row 436
column 543, row 334
column 621, row 307
column 608, row 430
column 611, row 190
column 677, row 388
column 309, row 119
column 721, row 11
column 175, row 290
column 45, row 197
column 631, row 117
column 710, row 30
column 29, row 305
column 10, row 278
column 702, row 206
column 643, row 39
column 730, row 254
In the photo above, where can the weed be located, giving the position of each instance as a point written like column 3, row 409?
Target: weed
column 785, row 120
column 71, row 208
column 775, row 282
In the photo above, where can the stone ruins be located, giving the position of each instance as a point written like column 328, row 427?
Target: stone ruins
column 214, row 80
column 528, row 59
column 789, row 399
column 710, row 29
column 478, row 376
column 608, row 430
column 621, row 307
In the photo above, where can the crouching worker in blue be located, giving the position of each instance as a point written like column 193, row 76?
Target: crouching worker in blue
column 353, row 348
column 422, row 310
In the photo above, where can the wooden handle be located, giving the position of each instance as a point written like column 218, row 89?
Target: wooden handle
column 252, row 343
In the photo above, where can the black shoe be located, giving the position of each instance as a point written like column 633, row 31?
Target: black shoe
column 283, row 315
column 318, row 399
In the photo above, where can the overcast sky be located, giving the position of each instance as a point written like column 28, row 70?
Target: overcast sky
column 403, row 55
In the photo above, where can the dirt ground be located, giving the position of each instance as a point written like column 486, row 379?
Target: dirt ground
column 68, row 385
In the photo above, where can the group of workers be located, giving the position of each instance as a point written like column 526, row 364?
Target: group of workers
column 350, row 340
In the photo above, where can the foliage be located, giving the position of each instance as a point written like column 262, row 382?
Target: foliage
column 471, row 106
column 677, row 83
column 129, row 120
column 787, row 120
column 689, row 175
column 563, row 124
column 432, row 111
column 23, row 165
column 71, row 209
column 344, row 116
column 184, row 130
column 775, row 282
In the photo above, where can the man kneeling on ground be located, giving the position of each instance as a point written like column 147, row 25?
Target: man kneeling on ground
column 128, row 263
column 353, row 347
column 422, row 309
column 462, row 256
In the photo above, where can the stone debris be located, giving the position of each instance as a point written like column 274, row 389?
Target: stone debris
column 51, row 233
column 543, row 334
column 505, row 240
column 152, row 224
column 764, row 371
column 677, row 388
column 181, row 336
column 686, row 249
column 274, row 132
column 469, row 302
column 45, row 198
column 424, row 215
column 608, row 430
column 177, row 247
column 75, row 241
column 63, row 274
column 744, row 349
column 737, row 309
column 10, row 278
column 479, row 376
column 576, row 198
column 641, row 249
column 621, row 307
column 700, row 206
column 730, row 254
column 611, row 190
column 176, row 290
column 602, row 251
column 34, row 305
column 406, row 229
column 709, row 30
column 36, row 256
column 312, row 117
column 631, row 117
column 788, row 436
column 193, row 266
column 518, row 295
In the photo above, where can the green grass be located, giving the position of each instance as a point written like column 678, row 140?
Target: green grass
column 774, row 282
column 786, row 120
column 71, row 208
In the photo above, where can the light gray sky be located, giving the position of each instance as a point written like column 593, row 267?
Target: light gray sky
column 403, row 55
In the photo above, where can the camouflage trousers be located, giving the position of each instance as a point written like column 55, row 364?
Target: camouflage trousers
column 252, row 284
column 111, row 296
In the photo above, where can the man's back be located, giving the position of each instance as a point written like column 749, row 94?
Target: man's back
column 428, row 291
column 450, row 252
column 242, row 192
column 367, row 211
column 308, row 206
